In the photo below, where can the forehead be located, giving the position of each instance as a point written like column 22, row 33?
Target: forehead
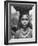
column 25, row 16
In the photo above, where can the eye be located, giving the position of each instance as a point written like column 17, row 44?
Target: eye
column 24, row 19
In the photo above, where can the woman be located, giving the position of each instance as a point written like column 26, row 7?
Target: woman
column 24, row 27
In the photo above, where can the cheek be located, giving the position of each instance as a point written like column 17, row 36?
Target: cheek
column 27, row 21
column 22, row 22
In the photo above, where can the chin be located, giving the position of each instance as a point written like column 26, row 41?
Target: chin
column 24, row 25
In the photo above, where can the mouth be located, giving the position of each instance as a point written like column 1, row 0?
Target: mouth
column 24, row 25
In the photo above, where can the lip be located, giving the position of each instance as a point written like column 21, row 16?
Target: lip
column 24, row 25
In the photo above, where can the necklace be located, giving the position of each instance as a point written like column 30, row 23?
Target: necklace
column 25, row 33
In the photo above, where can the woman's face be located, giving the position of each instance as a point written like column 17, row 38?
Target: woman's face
column 25, row 20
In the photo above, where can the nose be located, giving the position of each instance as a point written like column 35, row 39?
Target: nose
column 24, row 22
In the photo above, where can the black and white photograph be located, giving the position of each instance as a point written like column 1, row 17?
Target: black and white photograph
column 20, row 22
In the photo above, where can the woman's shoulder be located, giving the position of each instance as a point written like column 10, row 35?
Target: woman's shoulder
column 30, row 33
column 29, row 29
